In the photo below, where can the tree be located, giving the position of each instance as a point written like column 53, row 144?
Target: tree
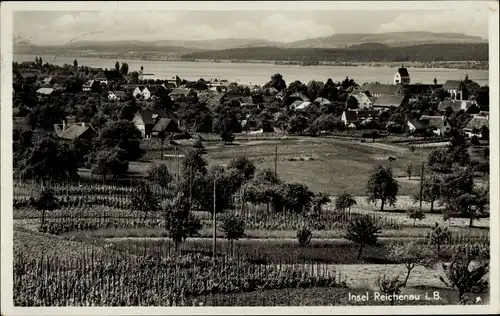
column 382, row 186
column 117, row 66
column 485, row 132
column 344, row 201
column 122, row 134
column 233, row 228
column 439, row 236
column 277, row 82
column 304, row 236
column 411, row 255
column 389, row 286
column 75, row 63
column 49, row 158
column 439, row 161
column 160, row 175
column 431, row 190
column 198, row 145
column 435, row 81
column 463, row 276
column 46, row 201
column 144, row 200
column 409, row 170
column 314, row 89
column 244, row 166
column 108, row 160
column 124, row 69
column 415, row 213
column 297, row 197
column 297, row 124
column 179, row 221
column 457, row 192
column 319, row 200
column 362, row 230
column 330, row 92
column 194, row 163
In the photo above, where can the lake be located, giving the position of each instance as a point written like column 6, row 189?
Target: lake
column 260, row 73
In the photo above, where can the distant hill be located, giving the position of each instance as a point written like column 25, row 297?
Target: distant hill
column 394, row 39
column 424, row 53
column 369, row 46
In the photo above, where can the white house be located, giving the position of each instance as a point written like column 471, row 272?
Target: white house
column 112, row 96
column 402, row 76
column 473, row 128
column 143, row 92
column 87, row 87
column 438, row 124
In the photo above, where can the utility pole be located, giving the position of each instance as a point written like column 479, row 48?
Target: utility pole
column 421, row 185
column 276, row 162
column 178, row 168
column 190, row 185
column 214, row 224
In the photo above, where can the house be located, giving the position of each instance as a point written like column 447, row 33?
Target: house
column 473, row 128
column 456, row 89
column 402, row 76
column 179, row 93
column 415, row 126
column 364, row 101
column 146, row 119
column 175, row 81
column 300, row 105
column 377, row 89
column 142, row 91
column 322, row 101
column 70, row 132
column 44, row 91
column 439, row 125
column 109, row 76
column 48, row 81
column 422, row 90
column 388, row 101
column 456, row 105
column 166, row 126
column 354, row 117
column 120, row 94
column 87, row 86
column 156, row 91
column 280, row 95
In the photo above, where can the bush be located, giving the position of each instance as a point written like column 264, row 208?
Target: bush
column 415, row 213
column 160, row 175
column 304, row 236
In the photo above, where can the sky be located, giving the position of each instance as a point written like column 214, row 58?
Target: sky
column 59, row 27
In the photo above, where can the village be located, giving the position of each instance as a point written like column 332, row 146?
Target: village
column 399, row 108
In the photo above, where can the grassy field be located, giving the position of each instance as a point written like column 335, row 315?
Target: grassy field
column 323, row 164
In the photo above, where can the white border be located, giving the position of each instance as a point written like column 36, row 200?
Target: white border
column 6, row 150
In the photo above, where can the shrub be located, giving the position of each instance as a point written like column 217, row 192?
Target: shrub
column 304, row 236
column 363, row 231
column 160, row 175
column 415, row 213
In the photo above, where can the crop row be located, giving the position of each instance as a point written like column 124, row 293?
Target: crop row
column 148, row 281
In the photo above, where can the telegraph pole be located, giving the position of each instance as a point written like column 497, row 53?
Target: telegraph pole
column 276, row 162
column 178, row 168
column 190, row 185
column 421, row 185
column 214, row 223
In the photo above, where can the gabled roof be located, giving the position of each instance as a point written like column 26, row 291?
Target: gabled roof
column 164, row 123
column 455, row 105
column 433, row 121
column 302, row 105
column 389, row 100
column 48, row 80
column 403, row 72
column 477, row 122
column 89, row 83
column 46, row 91
column 300, row 95
column 388, row 89
column 417, row 124
column 179, row 91
column 453, row 85
column 73, row 131
column 422, row 88
column 147, row 115
column 322, row 101
column 295, row 104
column 120, row 94
column 355, row 115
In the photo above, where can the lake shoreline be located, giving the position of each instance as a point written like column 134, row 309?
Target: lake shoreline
column 445, row 65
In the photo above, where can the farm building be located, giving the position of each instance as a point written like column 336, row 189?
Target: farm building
column 438, row 124
column 74, row 131
column 364, row 101
column 456, row 89
column 416, row 126
column 456, row 105
column 473, row 128
column 402, row 76
column 377, row 90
